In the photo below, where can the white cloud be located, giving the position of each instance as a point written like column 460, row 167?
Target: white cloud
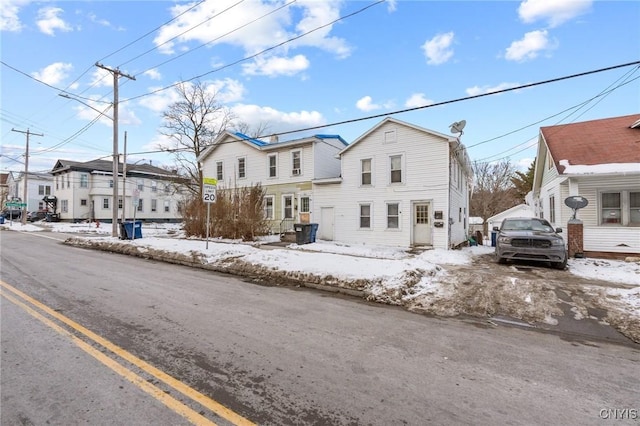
column 554, row 12
column 477, row 90
column 278, row 121
column 153, row 74
column 275, row 66
column 437, row 50
column 366, row 104
column 101, row 78
column 267, row 31
column 53, row 74
column 48, row 21
column 392, row 5
column 417, row 100
column 9, row 19
column 530, row 46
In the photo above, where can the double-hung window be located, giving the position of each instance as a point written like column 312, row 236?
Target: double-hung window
column 268, row 207
column 154, row 205
column 552, row 209
column 366, row 171
column 365, row 216
column 395, row 162
column 242, row 168
column 296, row 163
column 105, row 203
column 84, row 180
column 393, row 215
column 273, row 166
column 611, row 208
column 219, row 169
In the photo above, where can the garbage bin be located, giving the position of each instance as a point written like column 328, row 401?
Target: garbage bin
column 314, row 231
column 1, row 220
column 494, row 235
column 303, row 233
column 123, row 231
column 133, row 230
column 52, row 217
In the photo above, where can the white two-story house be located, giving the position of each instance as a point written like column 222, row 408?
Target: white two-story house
column 284, row 169
column 84, row 191
column 38, row 186
column 600, row 161
column 401, row 185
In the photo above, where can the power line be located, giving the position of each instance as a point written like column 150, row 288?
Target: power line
column 257, row 54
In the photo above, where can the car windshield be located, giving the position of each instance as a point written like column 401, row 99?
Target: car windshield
column 526, row 225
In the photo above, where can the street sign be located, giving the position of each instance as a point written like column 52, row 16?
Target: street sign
column 209, row 186
column 15, row 204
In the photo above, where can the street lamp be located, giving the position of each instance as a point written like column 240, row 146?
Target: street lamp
column 114, row 216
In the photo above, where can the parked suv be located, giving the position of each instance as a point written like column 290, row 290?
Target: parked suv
column 527, row 238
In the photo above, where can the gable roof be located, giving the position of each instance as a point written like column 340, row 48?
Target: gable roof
column 401, row 123
column 604, row 141
column 261, row 145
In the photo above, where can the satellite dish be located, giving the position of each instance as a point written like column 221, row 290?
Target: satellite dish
column 458, row 126
column 576, row 202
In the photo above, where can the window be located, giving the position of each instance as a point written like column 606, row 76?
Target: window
column 154, row 186
column 140, row 205
column 611, row 208
column 167, row 188
column 219, row 174
column 84, row 180
column 64, row 206
column 366, row 171
column 166, row 206
column 273, row 166
column 393, row 216
column 120, row 203
column 305, row 205
column 365, row 216
column 390, row 136
column 140, row 184
column 268, row 207
column 110, row 183
column 105, row 203
column 552, row 209
column 57, row 183
column 296, row 162
column 634, row 206
column 40, row 189
column 396, row 168
column 83, row 203
column 154, row 205
column 287, row 202
column 242, row 164
column 68, row 181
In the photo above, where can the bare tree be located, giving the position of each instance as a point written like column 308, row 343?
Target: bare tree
column 494, row 190
column 257, row 131
column 193, row 122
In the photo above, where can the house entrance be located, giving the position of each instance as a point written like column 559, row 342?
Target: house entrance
column 421, row 224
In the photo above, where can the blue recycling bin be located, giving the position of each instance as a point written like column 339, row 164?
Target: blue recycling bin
column 1, row 220
column 133, row 229
column 494, row 235
column 314, row 231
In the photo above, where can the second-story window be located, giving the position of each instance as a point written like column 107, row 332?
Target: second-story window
column 84, row 180
column 396, row 168
column 296, row 163
column 273, row 166
column 366, row 172
column 242, row 168
column 219, row 174
column 140, row 184
column 154, row 186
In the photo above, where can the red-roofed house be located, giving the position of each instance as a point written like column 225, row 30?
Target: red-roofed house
column 600, row 161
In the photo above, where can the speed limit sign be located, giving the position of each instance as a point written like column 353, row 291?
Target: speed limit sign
column 209, row 186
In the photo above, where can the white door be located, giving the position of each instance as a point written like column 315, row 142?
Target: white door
column 421, row 224
column 325, row 227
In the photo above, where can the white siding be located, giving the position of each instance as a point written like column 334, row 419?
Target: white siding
column 425, row 173
column 324, row 156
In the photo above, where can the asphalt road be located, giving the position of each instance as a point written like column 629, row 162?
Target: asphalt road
column 91, row 337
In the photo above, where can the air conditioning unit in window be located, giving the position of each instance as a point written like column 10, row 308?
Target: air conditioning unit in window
column 295, row 172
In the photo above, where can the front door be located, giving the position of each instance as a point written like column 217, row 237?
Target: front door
column 421, row 224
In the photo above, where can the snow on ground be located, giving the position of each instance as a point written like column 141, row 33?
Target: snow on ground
column 390, row 275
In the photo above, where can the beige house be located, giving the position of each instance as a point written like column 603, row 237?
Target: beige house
column 285, row 169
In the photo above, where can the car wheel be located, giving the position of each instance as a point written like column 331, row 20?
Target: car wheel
column 560, row 265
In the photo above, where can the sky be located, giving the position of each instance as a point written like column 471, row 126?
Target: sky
column 391, row 272
column 292, row 65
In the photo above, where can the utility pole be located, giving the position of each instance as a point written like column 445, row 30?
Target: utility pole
column 25, row 193
column 124, row 180
column 116, row 76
